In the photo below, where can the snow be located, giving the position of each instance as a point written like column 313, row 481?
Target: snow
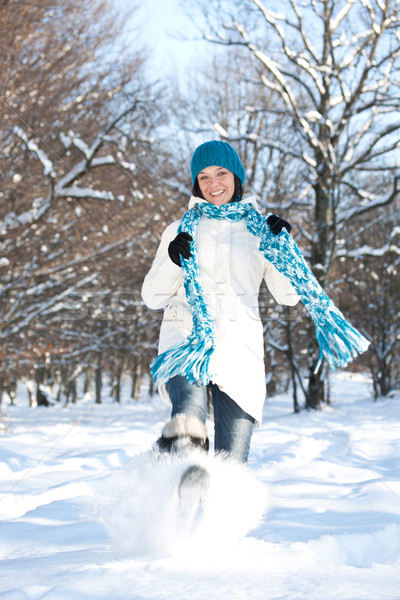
column 86, row 510
column 11, row 220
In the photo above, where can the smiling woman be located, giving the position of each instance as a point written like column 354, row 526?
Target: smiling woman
column 216, row 266
column 207, row 276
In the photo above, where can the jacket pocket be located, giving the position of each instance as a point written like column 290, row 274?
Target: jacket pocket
column 178, row 313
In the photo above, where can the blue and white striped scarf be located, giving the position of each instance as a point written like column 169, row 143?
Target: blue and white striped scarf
column 339, row 341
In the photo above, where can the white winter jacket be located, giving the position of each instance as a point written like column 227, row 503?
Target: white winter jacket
column 231, row 269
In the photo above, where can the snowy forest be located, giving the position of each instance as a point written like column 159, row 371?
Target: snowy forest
column 95, row 152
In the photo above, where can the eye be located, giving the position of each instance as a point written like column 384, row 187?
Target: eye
column 222, row 173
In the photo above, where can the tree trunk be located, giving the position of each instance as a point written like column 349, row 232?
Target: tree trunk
column 271, row 379
column 30, row 395
column 41, row 398
column 136, row 380
column 12, row 390
column 98, row 378
column 1, row 396
column 116, row 393
column 384, row 378
column 71, row 390
column 291, row 359
column 315, row 393
column 88, row 387
column 319, row 262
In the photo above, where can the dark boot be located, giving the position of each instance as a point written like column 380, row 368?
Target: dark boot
column 183, row 434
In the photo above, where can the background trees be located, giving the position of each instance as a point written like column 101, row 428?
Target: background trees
column 95, row 149
column 327, row 72
column 372, row 292
column 81, row 189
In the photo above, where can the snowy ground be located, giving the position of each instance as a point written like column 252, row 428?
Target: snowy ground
column 73, row 480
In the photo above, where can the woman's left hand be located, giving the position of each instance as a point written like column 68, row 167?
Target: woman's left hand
column 276, row 224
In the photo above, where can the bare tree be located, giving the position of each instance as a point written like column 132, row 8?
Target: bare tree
column 332, row 67
column 372, row 285
column 81, row 188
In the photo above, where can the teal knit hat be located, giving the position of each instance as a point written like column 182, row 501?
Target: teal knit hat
column 218, row 154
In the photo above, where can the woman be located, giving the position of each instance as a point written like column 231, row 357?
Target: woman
column 231, row 269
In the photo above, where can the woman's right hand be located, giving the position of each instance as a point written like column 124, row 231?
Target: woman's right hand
column 180, row 247
column 276, row 224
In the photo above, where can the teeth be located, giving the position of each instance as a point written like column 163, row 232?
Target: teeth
column 217, row 193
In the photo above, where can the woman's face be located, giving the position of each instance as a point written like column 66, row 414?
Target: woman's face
column 217, row 185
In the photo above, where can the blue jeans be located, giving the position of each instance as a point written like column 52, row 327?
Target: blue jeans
column 233, row 427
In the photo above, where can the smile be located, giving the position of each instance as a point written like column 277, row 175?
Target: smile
column 217, row 193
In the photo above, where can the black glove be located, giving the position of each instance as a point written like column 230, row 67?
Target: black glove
column 276, row 224
column 180, row 247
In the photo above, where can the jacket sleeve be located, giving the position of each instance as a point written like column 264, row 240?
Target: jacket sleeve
column 280, row 286
column 164, row 277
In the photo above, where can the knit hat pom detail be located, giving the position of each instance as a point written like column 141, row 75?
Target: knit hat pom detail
column 218, row 154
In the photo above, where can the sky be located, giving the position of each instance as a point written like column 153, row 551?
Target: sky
column 163, row 22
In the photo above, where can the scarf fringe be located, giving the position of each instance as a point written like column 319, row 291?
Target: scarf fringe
column 188, row 359
column 338, row 340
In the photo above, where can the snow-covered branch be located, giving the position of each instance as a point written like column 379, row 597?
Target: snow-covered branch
column 367, row 251
column 40, row 308
column 65, row 187
column 11, row 221
column 298, row 58
column 48, row 167
column 373, row 146
column 369, row 202
column 65, row 267
column 178, row 187
column 286, row 149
